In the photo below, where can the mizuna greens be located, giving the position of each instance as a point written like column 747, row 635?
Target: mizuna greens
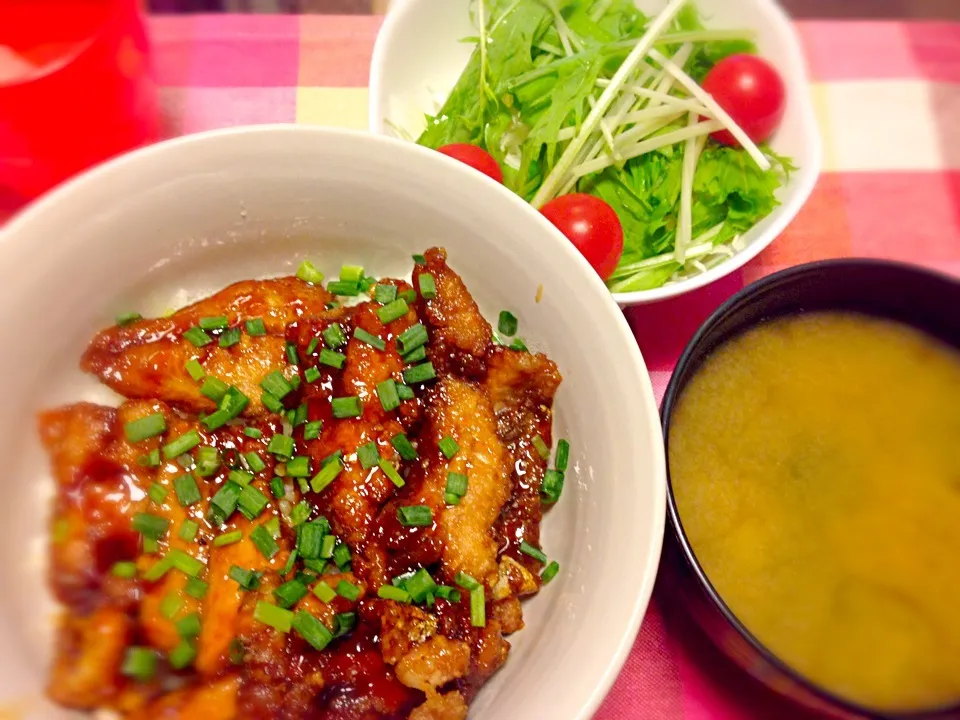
column 595, row 97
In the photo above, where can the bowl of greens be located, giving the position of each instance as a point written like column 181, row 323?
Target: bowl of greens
column 671, row 142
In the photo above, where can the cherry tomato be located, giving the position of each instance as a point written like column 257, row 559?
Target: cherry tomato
column 592, row 226
column 753, row 94
column 475, row 157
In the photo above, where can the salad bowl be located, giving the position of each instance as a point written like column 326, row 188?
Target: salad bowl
column 420, row 54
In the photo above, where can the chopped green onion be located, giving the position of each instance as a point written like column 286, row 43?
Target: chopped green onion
column 343, row 287
column 346, row 407
column 563, row 455
column 419, row 373
column 310, row 540
column 405, row 392
column 412, row 338
column 170, row 606
column 273, row 527
column 428, row 287
column 255, row 327
column 312, row 630
column 311, row 374
column 158, row 569
column 127, row 318
column 271, row 402
column 466, row 582
column 457, row 484
column 448, row 446
column 332, row 358
column 230, row 337
column 324, row 592
column 345, row 622
column 327, row 546
column 341, row 555
column 333, row 336
column 233, row 403
column 351, row 273
column 290, row 593
column 151, row 526
column 185, row 461
column 240, row 477
column 150, row 459
column 197, row 336
column 415, row 356
column 157, row 493
column 311, row 431
column 264, row 542
column 276, row 384
column 451, row 498
column 254, row 433
column 507, row 324
column 186, row 490
column 189, row 625
column 292, row 356
column 145, row 427
column 252, row 502
column 368, row 454
column 393, row 311
column 410, row 296
column 185, row 563
column 247, row 579
column 519, row 345
column 533, row 551
column 389, row 592
column 300, row 513
column 124, row 569
column 214, row 388
column 195, row 588
column 208, row 461
column 185, row 443
column 308, row 273
column 254, row 461
column 276, row 487
column 281, row 445
column 448, row 593
column 543, row 450
column 419, row 259
column 550, row 572
column 276, row 617
column 348, row 590
column 371, row 340
column 478, row 608
column 195, row 369
column 188, row 530
column 415, row 515
column 387, row 393
column 224, row 501
column 218, row 322
column 402, row 445
column 390, row 471
column 298, row 467
column 182, row 655
column 385, row 294
column 291, row 561
column 419, row 585
column 139, row 663
column 552, row 485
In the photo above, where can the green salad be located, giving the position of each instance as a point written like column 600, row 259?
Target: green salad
column 574, row 96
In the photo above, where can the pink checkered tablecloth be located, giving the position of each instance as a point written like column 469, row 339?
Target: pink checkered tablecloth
column 888, row 99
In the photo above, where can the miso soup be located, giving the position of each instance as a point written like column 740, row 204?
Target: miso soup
column 815, row 462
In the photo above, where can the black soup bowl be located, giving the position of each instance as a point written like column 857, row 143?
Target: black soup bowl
column 914, row 296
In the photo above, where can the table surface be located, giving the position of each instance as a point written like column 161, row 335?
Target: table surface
column 887, row 95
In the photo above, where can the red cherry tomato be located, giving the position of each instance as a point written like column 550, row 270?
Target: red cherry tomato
column 592, row 226
column 475, row 157
column 753, row 94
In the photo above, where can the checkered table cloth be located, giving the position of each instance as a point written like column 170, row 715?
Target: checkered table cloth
column 888, row 101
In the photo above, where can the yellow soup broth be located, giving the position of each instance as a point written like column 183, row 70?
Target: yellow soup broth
column 815, row 462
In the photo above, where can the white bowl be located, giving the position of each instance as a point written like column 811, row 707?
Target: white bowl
column 167, row 224
column 419, row 56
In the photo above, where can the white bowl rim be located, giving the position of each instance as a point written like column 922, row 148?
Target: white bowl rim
column 127, row 163
column 812, row 168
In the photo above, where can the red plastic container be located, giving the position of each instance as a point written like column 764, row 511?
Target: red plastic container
column 76, row 87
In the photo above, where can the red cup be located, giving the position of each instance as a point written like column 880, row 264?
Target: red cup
column 76, row 87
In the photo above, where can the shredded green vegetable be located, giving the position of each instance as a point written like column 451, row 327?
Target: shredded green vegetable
column 529, row 89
